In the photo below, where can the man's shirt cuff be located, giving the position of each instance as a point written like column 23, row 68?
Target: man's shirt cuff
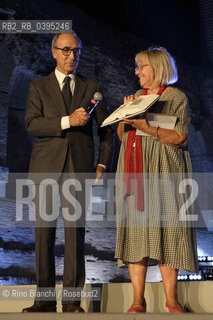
column 65, row 123
column 102, row 165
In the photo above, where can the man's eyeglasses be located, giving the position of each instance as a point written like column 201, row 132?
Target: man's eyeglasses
column 67, row 50
column 141, row 67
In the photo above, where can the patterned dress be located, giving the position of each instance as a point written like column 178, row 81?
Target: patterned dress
column 163, row 230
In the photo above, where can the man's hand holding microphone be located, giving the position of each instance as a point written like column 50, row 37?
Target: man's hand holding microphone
column 80, row 117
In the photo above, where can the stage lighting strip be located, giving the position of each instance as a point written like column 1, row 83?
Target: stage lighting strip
column 205, row 273
column 205, row 259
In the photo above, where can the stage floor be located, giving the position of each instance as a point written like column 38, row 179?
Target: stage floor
column 111, row 316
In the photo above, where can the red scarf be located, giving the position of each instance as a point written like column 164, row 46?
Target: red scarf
column 134, row 171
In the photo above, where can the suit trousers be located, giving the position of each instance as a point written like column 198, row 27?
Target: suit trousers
column 74, row 231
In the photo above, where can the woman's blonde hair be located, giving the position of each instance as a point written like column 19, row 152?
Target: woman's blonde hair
column 162, row 64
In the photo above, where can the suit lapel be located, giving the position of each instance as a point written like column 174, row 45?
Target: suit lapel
column 56, row 94
column 80, row 88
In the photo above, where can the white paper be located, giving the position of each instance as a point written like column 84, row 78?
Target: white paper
column 131, row 109
column 158, row 120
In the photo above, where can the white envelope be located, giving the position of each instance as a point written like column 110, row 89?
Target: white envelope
column 158, row 120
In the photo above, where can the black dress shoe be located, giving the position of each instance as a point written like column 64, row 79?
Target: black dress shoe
column 72, row 308
column 40, row 308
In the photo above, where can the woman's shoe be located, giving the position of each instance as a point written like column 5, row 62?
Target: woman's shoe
column 138, row 308
column 175, row 309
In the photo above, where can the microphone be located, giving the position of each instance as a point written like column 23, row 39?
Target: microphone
column 97, row 97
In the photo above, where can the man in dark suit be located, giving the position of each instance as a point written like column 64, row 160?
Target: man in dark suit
column 63, row 131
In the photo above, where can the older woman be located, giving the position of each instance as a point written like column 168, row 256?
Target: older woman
column 149, row 224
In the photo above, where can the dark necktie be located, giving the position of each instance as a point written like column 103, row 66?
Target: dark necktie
column 67, row 94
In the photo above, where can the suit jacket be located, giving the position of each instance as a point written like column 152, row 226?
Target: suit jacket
column 44, row 109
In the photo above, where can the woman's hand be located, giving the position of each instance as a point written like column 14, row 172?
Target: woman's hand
column 120, row 130
column 121, row 125
column 171, row 137
column 130, row 98
column 140, row 124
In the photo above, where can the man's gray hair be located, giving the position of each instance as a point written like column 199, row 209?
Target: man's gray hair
column 57, row 35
